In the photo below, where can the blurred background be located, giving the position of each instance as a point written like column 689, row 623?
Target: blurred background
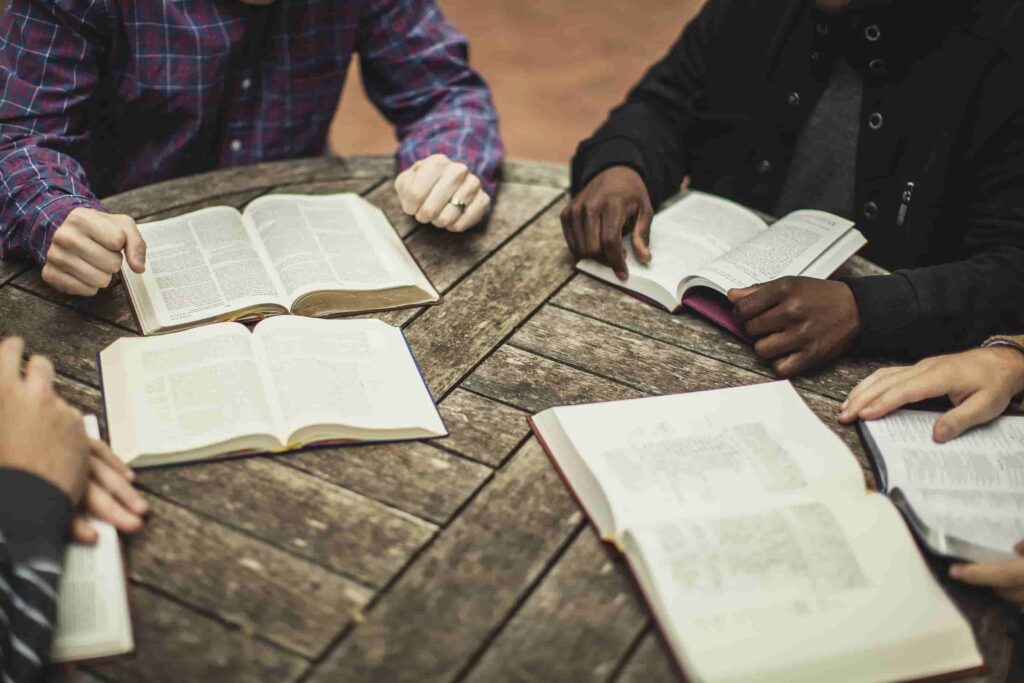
column 556, row 67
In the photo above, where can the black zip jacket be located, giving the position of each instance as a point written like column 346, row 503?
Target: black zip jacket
column 940, row 158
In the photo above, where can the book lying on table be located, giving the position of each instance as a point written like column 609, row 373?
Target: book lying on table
column 221, row 390
column 702, row 246
column 748, row 526
column 305, row 255
column 964, row 498
column 93, row 620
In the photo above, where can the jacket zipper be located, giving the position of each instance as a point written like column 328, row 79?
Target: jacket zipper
column 908, row 194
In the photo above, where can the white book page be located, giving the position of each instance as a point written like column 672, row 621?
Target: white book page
column 786, row 248
column 690, row 234
column 186, row 390
column 971, row 488
column 203, row 265
column 357, row 373
column 324, row 243
column 656, row 457
column 807, row 592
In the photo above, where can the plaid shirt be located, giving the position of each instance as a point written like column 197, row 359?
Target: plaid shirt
column 99, row 96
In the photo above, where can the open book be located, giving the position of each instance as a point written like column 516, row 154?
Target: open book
column 311, row 256
column 93, row 620
column 748, row 527
column 702, row 246
column 964, row 498
column 219, row 390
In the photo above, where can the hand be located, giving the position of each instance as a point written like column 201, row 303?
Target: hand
column 799, row 322
column 612, row 203
column 86, row 251
column 41, row 433
column 427, row 187
column 1006, row 578
column 980, row 383
column 109, row 496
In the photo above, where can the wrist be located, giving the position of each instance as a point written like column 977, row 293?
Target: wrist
column 1012, row 358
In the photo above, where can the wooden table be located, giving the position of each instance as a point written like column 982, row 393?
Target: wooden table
column 459, row 559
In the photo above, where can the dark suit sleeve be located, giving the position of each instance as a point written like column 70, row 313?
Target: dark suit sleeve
column 34, row 517
column 648, row 132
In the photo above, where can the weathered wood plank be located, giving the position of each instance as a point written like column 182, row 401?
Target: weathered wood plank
column 480, row 428
column 546, row 173
column 477, row 315
column 385, row 198
column 261, row 589
column 447, row 603
column 651, row 662
column 109, row 304
column 357, row 185
column 85, row 398
column 576, row 626
column 70, row 339
column 301, row 514
column 10, row 269
column 174, row 644
column 411, row 476
column 234, row 199
column 690, row 331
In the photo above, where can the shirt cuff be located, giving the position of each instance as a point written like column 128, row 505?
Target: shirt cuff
column 889, row 314
column 602, row 156
column 51, row 214
column 34, row 516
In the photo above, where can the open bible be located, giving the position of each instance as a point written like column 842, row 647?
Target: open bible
column 221, row 390
column 702, row 246
column 964, row 498
column 311, row 256
column 93, row 620
column 747, row 525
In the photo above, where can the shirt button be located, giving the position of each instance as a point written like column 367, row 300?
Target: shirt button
column 875, row 121
column 246, row 83
column 872, row 33
column 815, row 56
column 878, row 66
column 236, row 145
column 764, row 167
column 821, row 28
column 793, row 99
column 870, row 211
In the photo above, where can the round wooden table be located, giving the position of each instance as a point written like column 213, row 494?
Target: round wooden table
column 458, row 559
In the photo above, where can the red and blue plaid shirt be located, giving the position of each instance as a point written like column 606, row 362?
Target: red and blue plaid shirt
column 99, row 96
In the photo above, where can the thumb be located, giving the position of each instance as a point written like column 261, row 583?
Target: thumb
column 134, row 246
column 642, row 236
column 977, row 409
column 742, row 293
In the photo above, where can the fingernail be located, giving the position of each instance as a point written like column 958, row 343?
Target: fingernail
column 942, row 433
column 842, row 406
column 621, row 275
column 956, row 571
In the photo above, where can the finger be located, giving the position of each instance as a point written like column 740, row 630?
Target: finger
column 793, row 364
column 135, row 246
column 897, row 391
column 777, row 345
column 1007, row 574
column 473, row 214
column 83, row 532
column 80, row 244
column 642, row 236
column 568, row 230
column 762, row 299
column 591, row 231
column 11, row 350
column 114, row 483
column 1018, row 547
column 102, row 451
column 99, row 503
column 422, row 182
column 864, row 397
column 77, row 268
column 979, row 408
column 442, row 192
column 612, row 222
column 39, row 374
column 467, row 193
column 772, row 320
column 868, row 381
column 1012, row 595
column 66, row 283
column 735, row 295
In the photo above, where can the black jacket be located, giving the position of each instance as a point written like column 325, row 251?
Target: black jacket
column 940, row 158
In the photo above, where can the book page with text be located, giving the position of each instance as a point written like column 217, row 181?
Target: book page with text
column 787, row 247
column 202, row 265
column 322, row 243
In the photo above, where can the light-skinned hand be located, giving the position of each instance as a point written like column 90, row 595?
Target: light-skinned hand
column 87, row 248
column 426, row 189
column 980, row 383
column 1006, row 578
column 109, row 496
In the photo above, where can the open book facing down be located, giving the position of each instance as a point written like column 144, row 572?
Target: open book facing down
column 221, row 390
column 702, row 246
column 749, row 529
column 312, row 256
column 964, row 498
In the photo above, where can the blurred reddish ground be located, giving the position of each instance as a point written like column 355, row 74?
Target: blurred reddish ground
column 556, row 67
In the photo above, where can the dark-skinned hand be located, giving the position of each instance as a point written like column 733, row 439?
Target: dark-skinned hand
column 798, row 322
column 614, row 202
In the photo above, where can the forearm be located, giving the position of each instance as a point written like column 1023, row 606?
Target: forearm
column 34, row 516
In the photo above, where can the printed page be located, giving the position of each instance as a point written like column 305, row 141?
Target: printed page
column 184, row 391
column 809, row 591
column 656, row 457
column 690, row 234
column 971, row 488
column 202, row 265
column 356, row 373
column 785, row 248
column 323, row 243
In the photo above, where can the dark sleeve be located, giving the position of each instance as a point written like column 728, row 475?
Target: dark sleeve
column 34, row 517
column 959, row 304
column 648, row 132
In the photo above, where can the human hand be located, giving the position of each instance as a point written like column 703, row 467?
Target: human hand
column 41, row 434
column 427, row 188
column 799, row 322
column 613, row 202
column 1006, row 578
column 109, row 496
column 979, row 382
column 86, row 251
